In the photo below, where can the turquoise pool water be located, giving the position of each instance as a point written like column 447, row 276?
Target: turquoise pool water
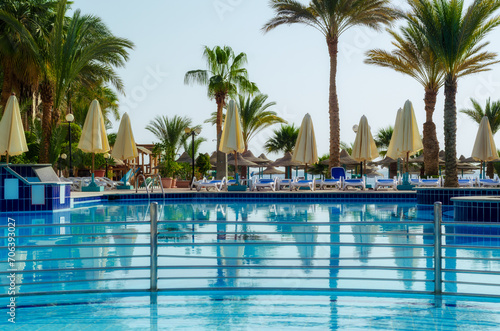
column 251, row 266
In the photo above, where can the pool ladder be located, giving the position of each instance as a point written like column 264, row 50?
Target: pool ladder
column 156, row 178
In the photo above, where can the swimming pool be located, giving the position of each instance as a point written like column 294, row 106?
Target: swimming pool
column 231, row 261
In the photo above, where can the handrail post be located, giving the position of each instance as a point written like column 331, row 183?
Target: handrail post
column 438, row 215
column 154, row 246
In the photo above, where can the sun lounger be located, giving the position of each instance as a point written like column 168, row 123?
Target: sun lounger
column 282, row 183
column 465, row 182
column 359, row 182
column 430, row 182
column 385, row 182
column 337, row 176
column 262, row 183
column 311, row 183
column 489, row 182
column 217, row 184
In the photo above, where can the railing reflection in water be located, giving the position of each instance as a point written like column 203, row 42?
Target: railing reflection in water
column 269, row 247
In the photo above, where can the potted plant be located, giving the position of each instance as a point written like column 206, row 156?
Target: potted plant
column 168, row 168
column 183, row 175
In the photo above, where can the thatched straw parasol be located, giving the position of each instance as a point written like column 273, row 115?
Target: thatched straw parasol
column 241, row 161
column 248, row 155
column 286, row 161
column 272, row 171
column 184, row 158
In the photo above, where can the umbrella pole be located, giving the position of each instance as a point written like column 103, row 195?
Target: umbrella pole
column 305, row 172
column 236, row 166
column 7, row 158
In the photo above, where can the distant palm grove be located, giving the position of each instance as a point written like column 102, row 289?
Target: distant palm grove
column 57, row 64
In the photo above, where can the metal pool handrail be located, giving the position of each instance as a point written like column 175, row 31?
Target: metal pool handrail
column 145, row 184
column 168, row 239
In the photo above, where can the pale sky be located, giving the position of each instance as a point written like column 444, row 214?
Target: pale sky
column 290, row 64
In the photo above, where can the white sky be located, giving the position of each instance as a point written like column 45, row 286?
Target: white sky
column 290, row 64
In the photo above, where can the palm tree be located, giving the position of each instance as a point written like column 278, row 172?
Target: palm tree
column 332, row 18
column 413, row 56
column 170, row 131
column 457, row 40
column 80, row 49
column 19, row 68
column 187, row 144
column 224, row 76
column 80, row 101
column 254, row 116
column 284, row 139
column 383, row 139
column 492, row 112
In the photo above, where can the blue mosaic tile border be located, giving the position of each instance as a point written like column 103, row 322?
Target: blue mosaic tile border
column 477, row 211
column 200, row 197
column 427, row 196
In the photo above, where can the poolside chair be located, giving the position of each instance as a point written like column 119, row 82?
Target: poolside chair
column 358, row 182
column 262, row 183
column 338, row 175
column 283, row 183
column 430, row 182
column 465, row 182
column 311, row 183
column 217, row 184
column 386, row 182
column 488, row 182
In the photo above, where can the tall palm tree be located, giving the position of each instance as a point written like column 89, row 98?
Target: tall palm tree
column 414, row 57
column 332, row 18
column 75, row 49
column 492, row 112
column 456, row 37
column 170, row 131
column 224, row 76
column 254, row 116
column 283, row 140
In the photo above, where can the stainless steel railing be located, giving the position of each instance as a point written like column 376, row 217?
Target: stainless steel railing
column 200, row 252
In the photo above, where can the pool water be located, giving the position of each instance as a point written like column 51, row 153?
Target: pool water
column 251, row 266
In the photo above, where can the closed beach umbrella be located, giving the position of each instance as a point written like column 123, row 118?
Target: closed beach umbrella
column 305, row 147
column 232, row 136
column 364, row 148
column 405, row 139
column 484, row 147
column 125, row 148
column 94, row 139
column 391, row 149
column 12, row 139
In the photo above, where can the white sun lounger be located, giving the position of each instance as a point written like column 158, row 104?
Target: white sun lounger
column 311, row 183
column 217, row 184
column 489, row 182
column 262, row 183
column 358, row 182
column 465, row 182
column 430, row 182
column 386, row 182
column 282, row 183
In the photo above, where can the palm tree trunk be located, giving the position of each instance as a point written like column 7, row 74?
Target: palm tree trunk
column 46, row 92
column 430, row 141
column 450, row 131
column 490, row 169
column 334, row 110
column 221, row 157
